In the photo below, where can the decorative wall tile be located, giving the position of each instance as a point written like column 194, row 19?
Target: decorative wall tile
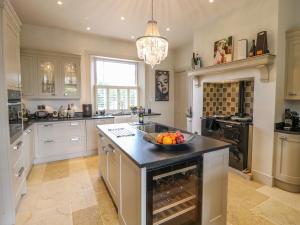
column 223, row 98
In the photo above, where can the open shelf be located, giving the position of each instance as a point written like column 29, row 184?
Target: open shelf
column 259, row 62
column 173, row 212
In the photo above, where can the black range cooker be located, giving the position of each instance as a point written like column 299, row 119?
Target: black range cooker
column 239, row 134
column 235, row 129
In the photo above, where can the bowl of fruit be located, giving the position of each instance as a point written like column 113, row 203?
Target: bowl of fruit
column 169, row 139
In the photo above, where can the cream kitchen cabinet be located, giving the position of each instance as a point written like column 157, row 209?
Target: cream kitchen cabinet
column 132, row 207
column 293, row 65
column 102, row 157
column 28, row 137
column 113, row 171
column 92, row 132
column 29, row 77
column 109, row 164
column 287, row 158
column 215, row 187
column 11, row 48
column 60, row 140
column 50, row 75
column 17, row 162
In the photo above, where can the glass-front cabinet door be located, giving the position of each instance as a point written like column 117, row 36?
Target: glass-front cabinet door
column 47, row 76
column 71, row 77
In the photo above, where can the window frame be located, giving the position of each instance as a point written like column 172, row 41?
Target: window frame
column 107, row 87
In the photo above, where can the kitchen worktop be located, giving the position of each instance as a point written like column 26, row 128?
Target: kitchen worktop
column 27, row 124
column 145, row 154
column 279, row 129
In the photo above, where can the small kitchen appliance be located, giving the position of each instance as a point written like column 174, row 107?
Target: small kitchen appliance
column 87, row 110
column 42, row 112
column 291, row 120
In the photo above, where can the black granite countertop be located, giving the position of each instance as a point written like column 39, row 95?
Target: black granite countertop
column 279, row 129
column 145, row 154
column 27, row 124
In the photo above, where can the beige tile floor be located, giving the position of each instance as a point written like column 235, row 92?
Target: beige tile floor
column 70, row 193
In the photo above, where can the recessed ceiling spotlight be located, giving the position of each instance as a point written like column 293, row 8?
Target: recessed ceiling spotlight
column 122, row 18
column 132, row 37
column 168, row 29
column 59, row 3
column 211, row 1
column 88, row 28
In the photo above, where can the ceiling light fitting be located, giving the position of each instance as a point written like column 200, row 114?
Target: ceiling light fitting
column 152, row 47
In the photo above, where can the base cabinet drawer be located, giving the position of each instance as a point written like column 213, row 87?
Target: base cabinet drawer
column 64, row 129
column 16, row 150
column 19, row 180
column 60, row 146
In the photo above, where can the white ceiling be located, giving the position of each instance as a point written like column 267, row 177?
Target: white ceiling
column 103, row 16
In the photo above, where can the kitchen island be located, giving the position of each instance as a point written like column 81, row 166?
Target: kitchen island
column 152, row 185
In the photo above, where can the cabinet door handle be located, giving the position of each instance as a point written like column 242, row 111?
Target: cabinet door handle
column 75, row 139
column 53, row 94
column 18, row 146
column 283, row 138
column 292, row 94
column 100, row 135
column 49, row 141
column 74, row 124
column 48, row 125
column 20, row 172
column 104, row 150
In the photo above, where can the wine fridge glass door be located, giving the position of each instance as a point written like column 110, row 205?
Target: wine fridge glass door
column 174, row 195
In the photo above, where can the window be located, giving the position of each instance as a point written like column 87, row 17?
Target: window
column 116, row 84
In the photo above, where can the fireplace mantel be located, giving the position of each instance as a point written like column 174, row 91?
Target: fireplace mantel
column 258, row 62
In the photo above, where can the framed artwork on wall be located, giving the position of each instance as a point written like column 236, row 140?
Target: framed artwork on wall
column 223, row 50
column 162, row 80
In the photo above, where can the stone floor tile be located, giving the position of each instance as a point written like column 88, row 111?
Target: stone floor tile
column 278, row 213
column 290, row 199
column 71, row 192
column 56, row 170
column 87, row 216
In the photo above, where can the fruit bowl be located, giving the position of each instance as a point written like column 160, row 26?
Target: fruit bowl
column 169, row 139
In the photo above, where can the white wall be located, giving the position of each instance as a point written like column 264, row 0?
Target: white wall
column 242, row 23
column 183, row 56
column 166, row 108
column 84, row 44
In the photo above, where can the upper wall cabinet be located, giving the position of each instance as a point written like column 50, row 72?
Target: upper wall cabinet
column 293, row 65
column 11, row 47
column 48, row 75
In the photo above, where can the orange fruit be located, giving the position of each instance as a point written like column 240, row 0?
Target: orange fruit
column 159, row 138
column 167, row 140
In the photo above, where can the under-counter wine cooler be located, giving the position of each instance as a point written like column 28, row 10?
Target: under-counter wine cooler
column 174, row 194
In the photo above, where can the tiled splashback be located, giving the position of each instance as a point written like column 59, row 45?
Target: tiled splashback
column 223, row 98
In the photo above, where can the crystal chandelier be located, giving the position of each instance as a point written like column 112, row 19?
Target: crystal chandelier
column 151, row 47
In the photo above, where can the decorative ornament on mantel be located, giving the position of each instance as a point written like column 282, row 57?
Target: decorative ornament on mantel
column 152, row 47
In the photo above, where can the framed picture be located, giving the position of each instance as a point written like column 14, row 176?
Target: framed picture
column 223, row 50
column 162, row 79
